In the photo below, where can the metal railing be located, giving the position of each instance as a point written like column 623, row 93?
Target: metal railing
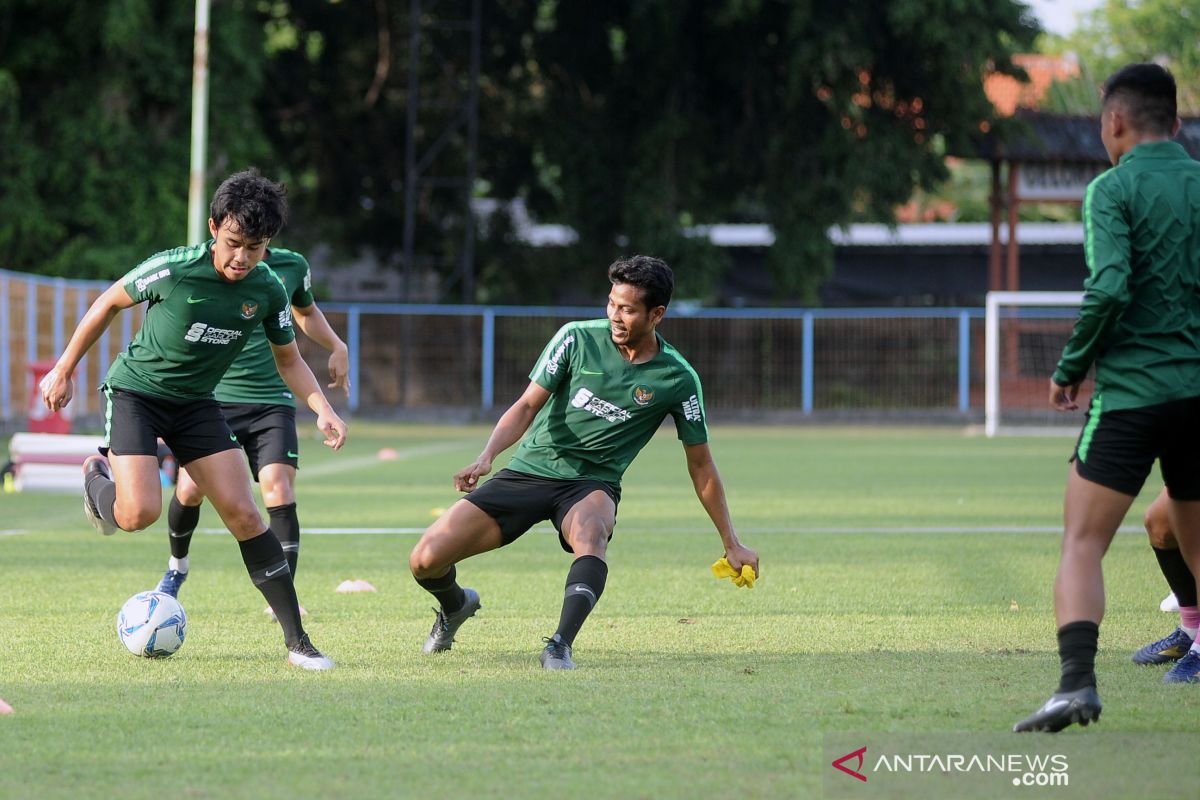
column 474, row 357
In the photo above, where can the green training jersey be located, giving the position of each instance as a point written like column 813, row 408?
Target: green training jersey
column 253, row 377
column 1140, row 320
column 602, row 409
column 196, row 324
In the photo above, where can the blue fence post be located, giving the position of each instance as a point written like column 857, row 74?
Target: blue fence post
column 353, row 334
column 964, row 362
column 487, row 376
column 806, row 364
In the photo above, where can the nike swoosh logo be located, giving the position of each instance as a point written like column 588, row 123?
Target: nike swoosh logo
column 269, row 573
column 293, row 455
column 232, row 438
column 586, row 371
column 585, row 589
column 198, row 299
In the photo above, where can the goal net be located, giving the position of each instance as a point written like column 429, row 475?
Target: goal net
column 1024, row 336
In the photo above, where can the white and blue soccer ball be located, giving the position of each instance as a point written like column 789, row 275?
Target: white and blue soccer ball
column 152, row 624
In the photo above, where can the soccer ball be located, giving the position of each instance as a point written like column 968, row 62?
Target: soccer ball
column 152, row 624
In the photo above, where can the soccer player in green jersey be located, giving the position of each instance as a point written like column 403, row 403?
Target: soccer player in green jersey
column 1140, row 326
column 261, row 412
column 597, row 394
column 204, row 302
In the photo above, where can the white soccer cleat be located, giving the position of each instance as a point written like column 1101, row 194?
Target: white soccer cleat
column 1170, row 604
column 305, row 656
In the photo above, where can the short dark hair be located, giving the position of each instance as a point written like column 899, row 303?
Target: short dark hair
column 1147, row 93
column 257, row 205
column 651, row 275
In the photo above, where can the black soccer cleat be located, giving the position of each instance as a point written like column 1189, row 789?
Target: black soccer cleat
column 441, row 636
column 1062, row 709
column 556, row 654
column 96, row 465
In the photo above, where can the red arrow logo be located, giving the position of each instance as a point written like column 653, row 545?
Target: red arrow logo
column 859, row 753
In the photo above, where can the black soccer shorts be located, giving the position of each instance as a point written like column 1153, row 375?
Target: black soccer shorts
column 267, row 432
column 518, row 501
column 1117, row 449
column 133, row 423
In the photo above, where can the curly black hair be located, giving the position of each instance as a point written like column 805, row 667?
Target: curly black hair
column 651, row 275
column 257, row 205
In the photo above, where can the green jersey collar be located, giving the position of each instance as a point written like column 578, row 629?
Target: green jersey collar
column 1163, row 149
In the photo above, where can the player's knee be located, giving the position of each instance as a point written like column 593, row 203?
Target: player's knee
column 136, row 516
column 423, row 561
column 244, row 521
column 189, row 494
column 590, row 539
column 1158, row 528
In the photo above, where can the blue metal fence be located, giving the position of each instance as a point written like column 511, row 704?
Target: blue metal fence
column 406, row 356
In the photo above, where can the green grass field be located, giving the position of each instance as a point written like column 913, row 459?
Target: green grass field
column 906, row 589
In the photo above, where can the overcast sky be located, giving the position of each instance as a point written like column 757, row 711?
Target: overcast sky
column 1060, row 16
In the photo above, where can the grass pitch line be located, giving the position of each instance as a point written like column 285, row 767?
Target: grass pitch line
column 1038, row 529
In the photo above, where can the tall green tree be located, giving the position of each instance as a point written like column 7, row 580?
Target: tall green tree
column 94, row 124
column 648, row 117
column 1118, row 33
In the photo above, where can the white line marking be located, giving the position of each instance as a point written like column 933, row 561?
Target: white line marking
column 13, row 532
column 1037, row 529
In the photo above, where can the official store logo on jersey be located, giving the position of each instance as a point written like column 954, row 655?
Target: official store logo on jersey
column 642, row 394
column 691, row 409
column 555, row 359
column 588, row 401
column 142, row 283
column 285, row 318
column 249, row 309
column 203, row 333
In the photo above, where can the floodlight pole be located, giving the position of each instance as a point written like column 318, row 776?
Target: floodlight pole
column 197, row 210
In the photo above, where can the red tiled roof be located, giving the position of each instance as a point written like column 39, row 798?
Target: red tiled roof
column 1008, row 94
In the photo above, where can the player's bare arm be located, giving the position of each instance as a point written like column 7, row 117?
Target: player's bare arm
column 311, row 320
column 56, row 387
column 508, row 431
column 710, row 490
column 303, row 383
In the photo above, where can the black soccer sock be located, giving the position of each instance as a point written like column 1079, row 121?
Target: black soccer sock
column 103, row 494
column 446, row 589
column 585, row 584
column 181, row 524
column 1077, row 643
column 270, row 573
column 286, row 525
column 1178, row 576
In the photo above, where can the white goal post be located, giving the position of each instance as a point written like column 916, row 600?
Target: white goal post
column 1024, row 333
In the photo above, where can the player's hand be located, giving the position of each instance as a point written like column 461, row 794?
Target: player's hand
column 333, row 428
column 467, row 479
column 739, row 555
column 1063, row 397
column 339, row 370
column 57, row 389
